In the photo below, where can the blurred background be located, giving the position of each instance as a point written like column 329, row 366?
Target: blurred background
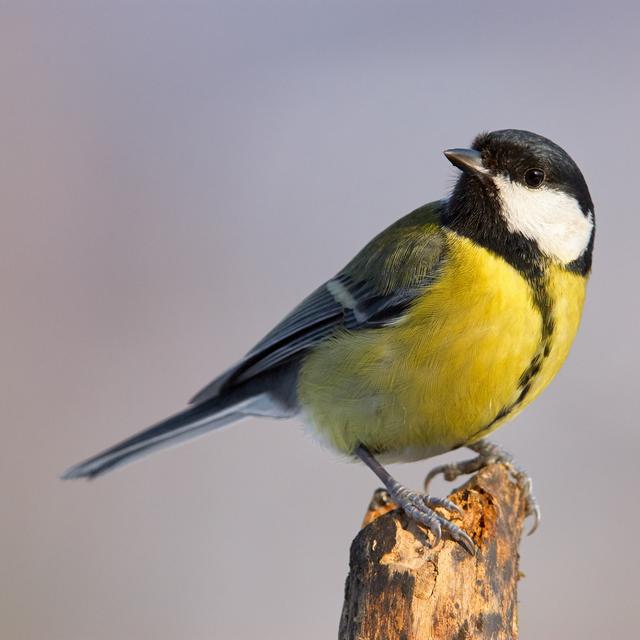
column 174, row 177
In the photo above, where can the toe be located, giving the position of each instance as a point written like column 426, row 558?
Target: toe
column 432, row 502
column 459, row 535
column 431, row 475
column 434, row 526
column 468, row 544
column 533, row 510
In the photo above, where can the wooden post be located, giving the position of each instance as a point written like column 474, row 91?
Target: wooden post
column 399, row 588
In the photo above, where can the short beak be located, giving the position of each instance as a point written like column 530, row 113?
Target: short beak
column 468, row 160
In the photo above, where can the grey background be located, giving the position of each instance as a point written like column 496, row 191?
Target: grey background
column 174, row 177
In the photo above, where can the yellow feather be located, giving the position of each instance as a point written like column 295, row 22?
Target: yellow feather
column 439, row 378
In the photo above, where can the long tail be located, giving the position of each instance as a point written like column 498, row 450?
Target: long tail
column 191, row 422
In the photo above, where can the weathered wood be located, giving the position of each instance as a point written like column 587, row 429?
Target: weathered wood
column 399, row 588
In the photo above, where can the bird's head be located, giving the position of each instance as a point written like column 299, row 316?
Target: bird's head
column 522, row 196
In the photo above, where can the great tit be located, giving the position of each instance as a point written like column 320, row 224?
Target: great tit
column 446, row 325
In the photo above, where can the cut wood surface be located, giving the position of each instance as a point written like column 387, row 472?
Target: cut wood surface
column 399, row 588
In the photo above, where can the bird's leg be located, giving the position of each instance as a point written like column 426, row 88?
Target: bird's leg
column 489, row 453
column 418, row 506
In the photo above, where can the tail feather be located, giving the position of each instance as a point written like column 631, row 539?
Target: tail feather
column 273, row 395
column 191, row 422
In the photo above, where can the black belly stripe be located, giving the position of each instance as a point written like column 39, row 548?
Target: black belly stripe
column 542, row 301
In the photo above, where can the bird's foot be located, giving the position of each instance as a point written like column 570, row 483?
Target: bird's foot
column 490, row 453
column 420, row 507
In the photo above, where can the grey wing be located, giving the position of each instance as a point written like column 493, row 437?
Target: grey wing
column 350, row 301
column 310, row 322
column 340, row 303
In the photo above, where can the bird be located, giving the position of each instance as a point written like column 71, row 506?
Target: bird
column 445, row 326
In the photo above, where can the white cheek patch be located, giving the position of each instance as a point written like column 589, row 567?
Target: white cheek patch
column 551, row 218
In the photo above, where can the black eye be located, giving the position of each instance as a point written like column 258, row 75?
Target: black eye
column 534, row 177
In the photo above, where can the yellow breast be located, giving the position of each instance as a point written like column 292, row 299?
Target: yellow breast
column 471, row 353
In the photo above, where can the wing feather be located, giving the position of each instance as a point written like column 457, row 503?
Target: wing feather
column 375, row 289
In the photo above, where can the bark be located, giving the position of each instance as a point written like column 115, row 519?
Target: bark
column 399, row 588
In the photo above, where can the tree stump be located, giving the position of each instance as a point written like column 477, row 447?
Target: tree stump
column 401, row 588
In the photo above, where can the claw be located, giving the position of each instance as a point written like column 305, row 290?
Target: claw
column 449, row 472
column 531, row 505
column 436, row 529
column 535, row 512
column 454, row 470
column 441, row 469
column 429, row 478
column 467, row 543
column 489, row 453
column 460, row 536
column 431, row 501
column 417, row 506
